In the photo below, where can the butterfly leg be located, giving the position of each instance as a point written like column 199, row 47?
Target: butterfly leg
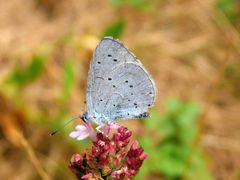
column 99, row 129
column 105, row 128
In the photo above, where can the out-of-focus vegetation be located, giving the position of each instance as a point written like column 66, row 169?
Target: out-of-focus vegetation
column 174, row 147
column 139, row 4
column 230, row 8
column 30, row 73
column 190, row 47
column 115, row 30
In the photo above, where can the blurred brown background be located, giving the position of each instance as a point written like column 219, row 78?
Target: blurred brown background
column 190, row 47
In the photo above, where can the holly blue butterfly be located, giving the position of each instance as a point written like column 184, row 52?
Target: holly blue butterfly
column 118, row 86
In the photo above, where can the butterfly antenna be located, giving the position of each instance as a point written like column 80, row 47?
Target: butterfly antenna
column 54, row 132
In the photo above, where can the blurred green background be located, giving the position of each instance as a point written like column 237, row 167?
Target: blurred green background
column 190, row 47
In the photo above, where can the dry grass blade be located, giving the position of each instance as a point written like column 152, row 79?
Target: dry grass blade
column 228, row 30
column 211, row 95
column 32, row 156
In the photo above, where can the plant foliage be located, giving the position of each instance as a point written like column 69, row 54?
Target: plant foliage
column 177, row 128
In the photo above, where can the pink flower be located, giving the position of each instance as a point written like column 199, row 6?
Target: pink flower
column 83, row 131
column 135, row 157
column 101, row 149
column 77, row 165
column 106, row 128
column 121, row 174
column 109, row 157
column 89, row 176
column 122, row 137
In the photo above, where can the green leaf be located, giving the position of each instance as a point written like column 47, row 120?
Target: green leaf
column 30, row 73
column 167, row 126
column 117, row 2
column 173, row 105
column 68, row 79
column 138, row 4
column 178, row 127
column 189, row 114
column 229, row 8
column 153, row 120
column 151, row 163
column 199, row 167
column 115, row 29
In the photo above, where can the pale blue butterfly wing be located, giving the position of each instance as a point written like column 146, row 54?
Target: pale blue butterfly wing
column 118, row 85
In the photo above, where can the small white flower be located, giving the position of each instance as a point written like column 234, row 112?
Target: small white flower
column 80, row 133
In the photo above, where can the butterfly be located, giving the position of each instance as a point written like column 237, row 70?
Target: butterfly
column 118, row 86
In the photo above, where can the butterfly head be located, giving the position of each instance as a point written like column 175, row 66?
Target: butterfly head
column 85, row 117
